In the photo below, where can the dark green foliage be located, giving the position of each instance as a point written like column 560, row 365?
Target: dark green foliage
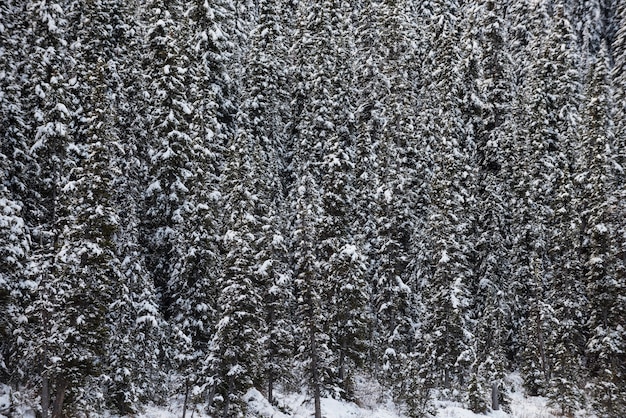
column 201, row 198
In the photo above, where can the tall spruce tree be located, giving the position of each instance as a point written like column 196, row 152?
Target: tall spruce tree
column 448, row 330
column 54, row 347
column 235, row 358
column 488, row 108
column 602, row 235
column 567, row 293
column 187, row 116
column 264, row 115
column 324, row 133
column 106, row 35
column 312, row 353
column 545, row 184
column 389, row 180
column 15, row 236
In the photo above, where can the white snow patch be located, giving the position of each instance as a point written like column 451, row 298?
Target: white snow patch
column 260, row 407
column 262, row 270
column 601, row 228
column 301, row 406
column 374, row 402
column 388, row 196
column 63, row 109
column 154, row 187
column 5, row 398
column 350, row 251
column 595, row 260
column 390, row 352
column 277, row 239
column 402, row 286
column 230, row 235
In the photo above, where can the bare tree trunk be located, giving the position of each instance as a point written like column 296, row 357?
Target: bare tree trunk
column 45, row 316
column 45, row 380
column 342, row 367
column 45, row 395
column 315, row 379
column 542, row 350
column 231, row 389
column 270, row 388
column 495, row 396
column 59, row 398
column 270, row 369
column 210, row 397
column 186, row 397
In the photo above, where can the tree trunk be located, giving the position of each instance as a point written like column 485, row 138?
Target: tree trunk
column 270, row 370
column 495, row 396
column 542, row 350
column 59, row 398
column 270, row 389
column 45, row 380
column 315, row 382
column 186, row 397
column 210, row 397
column 342, row 367
column 45, row 395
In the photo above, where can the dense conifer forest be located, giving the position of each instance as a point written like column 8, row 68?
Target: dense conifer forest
column 199, row 197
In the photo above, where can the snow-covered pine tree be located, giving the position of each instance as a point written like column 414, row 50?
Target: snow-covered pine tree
column 202, row 295
column 188, row 114
column 547, row 222
column 561, row 57
column 489, row 94
column 601, row 208
column 47, row 323
column 107, row 53
column 448, row 330
column 236, row 350
column 323, row 154
column 312, row 352
column 368, row 123
column 165, row 110
column 349, row 322
column 590, row 26
column 618, row 72
column 14, row 249
column 87, row 275
column 346, row 292
column 388, row 180
column 528, row 231
column 14, row 235
column 265, row 114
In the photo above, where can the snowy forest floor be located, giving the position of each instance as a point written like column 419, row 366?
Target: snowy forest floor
column 372, row 403
column 296, row 405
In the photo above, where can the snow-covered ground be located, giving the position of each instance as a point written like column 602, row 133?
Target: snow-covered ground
column 299, row 407
column 373, row 402
column 371, row 405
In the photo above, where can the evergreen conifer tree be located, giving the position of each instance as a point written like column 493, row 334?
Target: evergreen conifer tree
column 601, row 208
column 448, row 330
column 15, row 236
column 265, row 114
column 235, row 358
column 324, row 147
column 489, row 75
column 392, row 188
